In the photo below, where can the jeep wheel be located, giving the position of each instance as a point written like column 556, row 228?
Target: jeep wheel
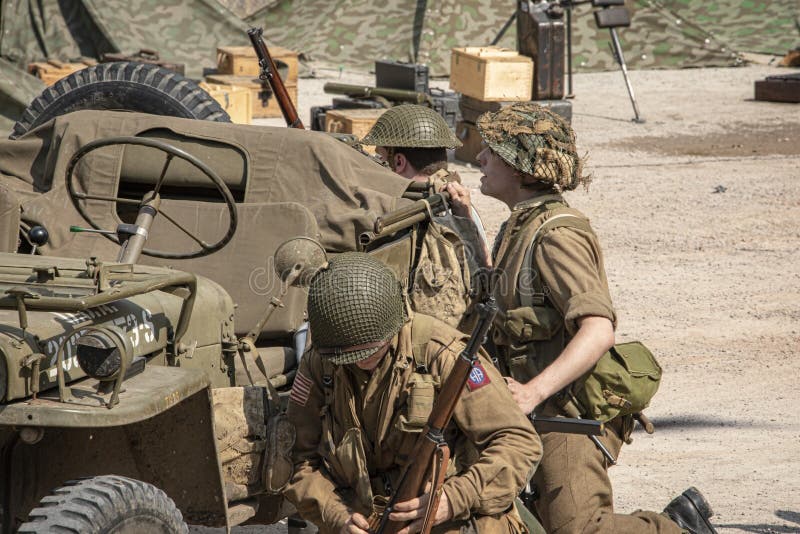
column 122, row 86
column 106, row 504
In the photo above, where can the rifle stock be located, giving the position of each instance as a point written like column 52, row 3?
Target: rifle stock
column 269, row 73
column 431, row 440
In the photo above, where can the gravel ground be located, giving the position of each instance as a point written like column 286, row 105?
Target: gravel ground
column 698, row 213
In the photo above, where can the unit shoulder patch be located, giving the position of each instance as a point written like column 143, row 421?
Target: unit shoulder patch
column 478, row 377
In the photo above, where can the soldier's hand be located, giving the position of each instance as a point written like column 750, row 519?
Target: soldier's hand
column 525, row 395
column 357, row 524
column 460, row 202
column 414, row 510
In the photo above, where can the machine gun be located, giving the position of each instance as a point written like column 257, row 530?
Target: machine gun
column 395, row 83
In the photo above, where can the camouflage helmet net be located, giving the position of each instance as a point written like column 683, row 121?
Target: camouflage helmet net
column 354, row 306
column 409, row 125
column 536, row 142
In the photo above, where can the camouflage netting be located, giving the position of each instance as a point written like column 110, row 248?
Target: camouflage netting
column 409, row 125
column 181, row 31
column 536, row 142
column 356, row 301
column 664, row 34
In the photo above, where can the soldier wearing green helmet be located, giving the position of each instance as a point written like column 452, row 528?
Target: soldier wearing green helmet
column 559, row 321
column 364, row 391
column 413, row 141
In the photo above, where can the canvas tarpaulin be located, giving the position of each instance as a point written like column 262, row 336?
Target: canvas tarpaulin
column 288, row 183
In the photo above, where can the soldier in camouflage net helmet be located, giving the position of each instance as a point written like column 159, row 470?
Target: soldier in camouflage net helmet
column 363, row 393
column 553, row 275
column 413, row 141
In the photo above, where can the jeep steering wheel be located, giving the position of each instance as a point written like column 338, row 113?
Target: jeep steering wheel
column 205, row 249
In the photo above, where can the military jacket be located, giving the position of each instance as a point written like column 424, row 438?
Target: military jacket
column 566, row 267
column 354, row 445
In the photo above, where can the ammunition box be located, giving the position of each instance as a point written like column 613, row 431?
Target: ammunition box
column 352, row 121
column 317, row 119
column 235, row 100
column 784, row 88
column 491, row 73
column 261, row 108
column 242, row 61
column 399, row 75
column 445, row 103
column 541, row 36
column 51, row 71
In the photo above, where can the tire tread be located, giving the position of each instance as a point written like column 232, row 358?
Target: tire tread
column 173, row 88
column 91, row 505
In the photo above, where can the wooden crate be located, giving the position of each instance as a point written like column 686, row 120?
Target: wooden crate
column 260, row 110
column 491, row 73
column 236, row 100
column 470, row 138
column 353, row 121
column 52, row 70
column 242, row 61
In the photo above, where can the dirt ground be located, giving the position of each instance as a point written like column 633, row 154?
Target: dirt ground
column 698, row 211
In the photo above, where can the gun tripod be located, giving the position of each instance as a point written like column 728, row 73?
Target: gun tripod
column 612, row 15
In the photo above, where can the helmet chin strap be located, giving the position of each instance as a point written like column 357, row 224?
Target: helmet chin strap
column 390, row 154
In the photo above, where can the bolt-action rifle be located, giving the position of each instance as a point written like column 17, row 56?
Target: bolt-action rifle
column 431, row 453
column 269, row 73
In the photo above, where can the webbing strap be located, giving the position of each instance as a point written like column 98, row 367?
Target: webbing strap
column 529, row 298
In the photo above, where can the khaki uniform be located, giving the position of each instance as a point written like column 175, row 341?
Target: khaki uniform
column 540, row 306
column 356, row 431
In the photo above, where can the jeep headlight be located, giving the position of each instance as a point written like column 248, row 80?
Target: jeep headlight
column 102, row 352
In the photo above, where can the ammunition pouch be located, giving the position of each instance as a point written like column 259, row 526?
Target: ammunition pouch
column 622, row 382
column 419, row 403
column 535, row 323
column 348, row 465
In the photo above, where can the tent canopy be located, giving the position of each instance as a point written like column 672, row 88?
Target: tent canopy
column 354, row 33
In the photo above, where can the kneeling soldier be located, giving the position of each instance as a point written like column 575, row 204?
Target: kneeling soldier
column 364, row 392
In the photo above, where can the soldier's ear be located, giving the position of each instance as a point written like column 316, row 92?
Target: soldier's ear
column 400, row 163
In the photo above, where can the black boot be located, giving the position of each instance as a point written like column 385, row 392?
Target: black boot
column 691, row 511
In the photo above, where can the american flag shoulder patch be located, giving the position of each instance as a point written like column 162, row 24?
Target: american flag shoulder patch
column 477, row 377
column 301, row 388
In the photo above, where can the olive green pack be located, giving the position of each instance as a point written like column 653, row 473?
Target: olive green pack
column 622, row 382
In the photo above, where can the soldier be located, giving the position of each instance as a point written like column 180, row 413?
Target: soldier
column 364, row 391
column 413, row 140
column 558, row 320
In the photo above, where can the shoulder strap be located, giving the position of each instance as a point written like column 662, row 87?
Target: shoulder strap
column 421, row 331
column 327, row 381
column 537, row 296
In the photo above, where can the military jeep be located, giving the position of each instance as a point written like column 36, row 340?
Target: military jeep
column 146, row 341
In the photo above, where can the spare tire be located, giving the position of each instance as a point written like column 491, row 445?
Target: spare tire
column 122, row 86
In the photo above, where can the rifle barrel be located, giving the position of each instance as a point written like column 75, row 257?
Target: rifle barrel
column 269, row 73
column 366, row 91
column 568, row 425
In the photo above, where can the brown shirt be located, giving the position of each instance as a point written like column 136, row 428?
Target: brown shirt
column 568, row 266
column 347, row 451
